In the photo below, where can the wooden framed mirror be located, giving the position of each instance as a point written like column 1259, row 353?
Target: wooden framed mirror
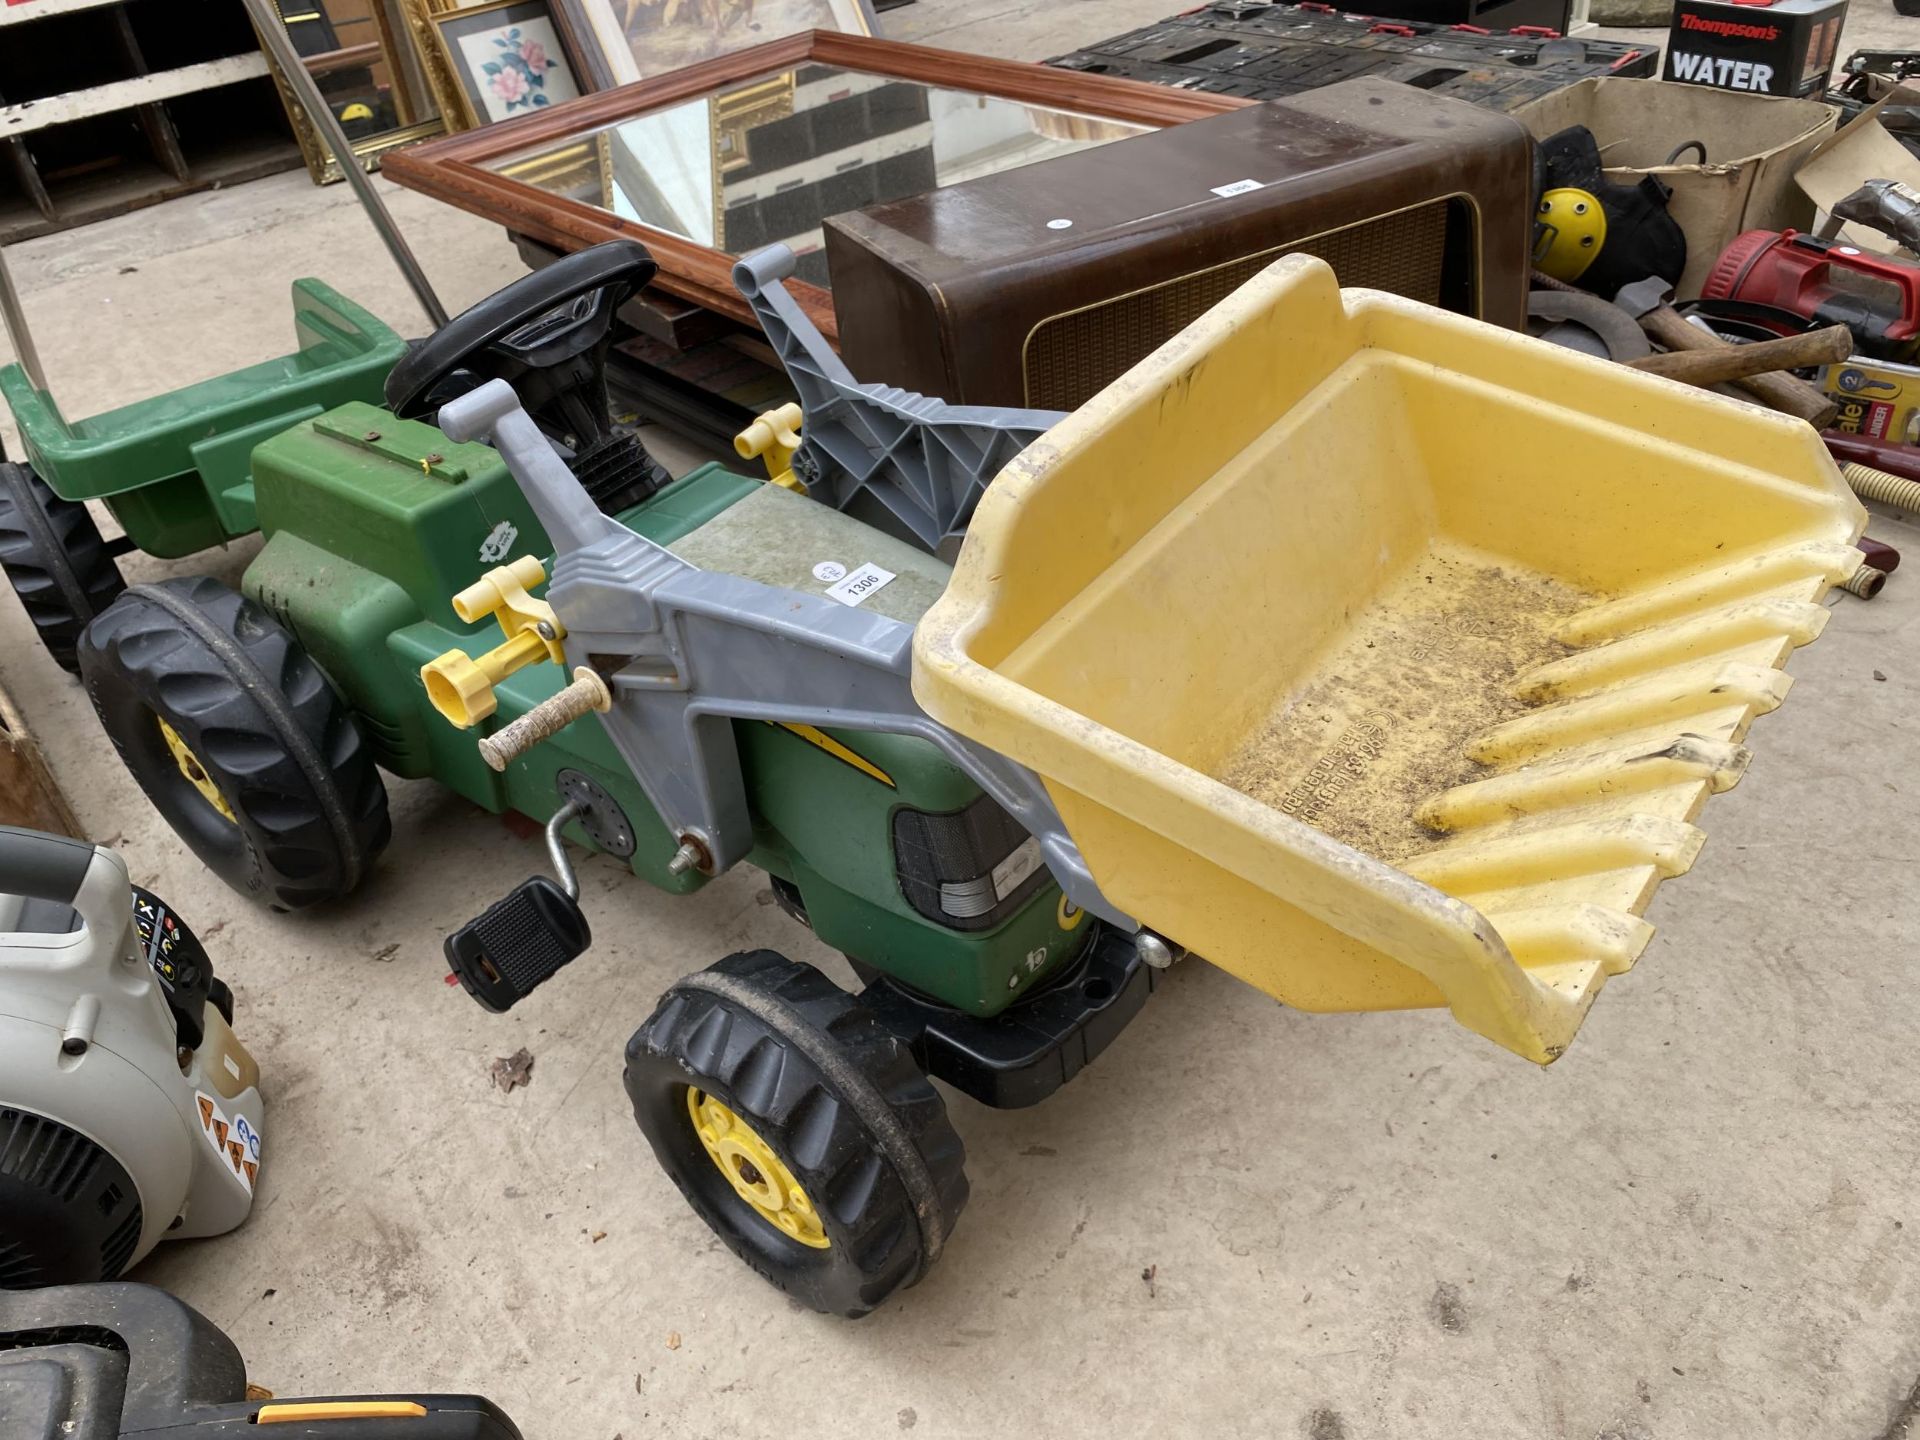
column 762, row 144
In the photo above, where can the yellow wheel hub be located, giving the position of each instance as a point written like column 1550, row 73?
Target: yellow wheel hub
column 195, row 772
column 758, row 1176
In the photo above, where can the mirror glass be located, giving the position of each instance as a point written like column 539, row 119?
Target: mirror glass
column 357, row 52
column 769, row 159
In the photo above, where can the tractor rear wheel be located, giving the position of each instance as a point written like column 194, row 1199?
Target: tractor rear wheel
column 239, row 739
column 799, row 1129
column 55, row 560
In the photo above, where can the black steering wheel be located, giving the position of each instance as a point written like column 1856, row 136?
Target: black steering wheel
column 547, row 335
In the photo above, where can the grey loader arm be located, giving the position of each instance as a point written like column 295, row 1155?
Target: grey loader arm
column 880, row 453
column 685, row 652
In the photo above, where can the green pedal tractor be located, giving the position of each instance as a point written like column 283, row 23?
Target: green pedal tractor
column 797, row 1119
column 1133, row 717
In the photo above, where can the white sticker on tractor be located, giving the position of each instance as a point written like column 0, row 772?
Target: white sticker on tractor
column 828, row 571
column 1008, row 874
column 235, row 1141
column 499, row 541
column 859, row 586
column 1238, row 187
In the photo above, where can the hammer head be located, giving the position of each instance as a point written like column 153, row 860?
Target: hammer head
column 1643, row 296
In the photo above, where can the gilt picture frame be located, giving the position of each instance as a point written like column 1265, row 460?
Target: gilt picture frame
column 359, row 52
column 641, row 39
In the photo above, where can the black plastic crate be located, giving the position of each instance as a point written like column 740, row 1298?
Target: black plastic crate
column 1268, row 51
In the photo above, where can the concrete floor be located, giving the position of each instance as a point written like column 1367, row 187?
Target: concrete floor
column 1700, row 1223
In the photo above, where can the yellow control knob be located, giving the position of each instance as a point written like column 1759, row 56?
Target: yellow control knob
column 461, row 686
column 499, row 589
column 773, row 437
column 459, row 689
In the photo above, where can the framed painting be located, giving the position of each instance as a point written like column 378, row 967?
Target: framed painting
column 644, row 38
column 503, row 59
column 763, row 144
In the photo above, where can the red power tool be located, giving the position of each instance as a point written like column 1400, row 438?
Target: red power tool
column 1825, row 283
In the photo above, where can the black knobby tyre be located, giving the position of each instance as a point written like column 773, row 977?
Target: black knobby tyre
column 265, row 736
column 839, row 1101
column 55, row 560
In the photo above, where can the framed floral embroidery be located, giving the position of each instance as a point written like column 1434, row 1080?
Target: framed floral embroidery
column 507, row 58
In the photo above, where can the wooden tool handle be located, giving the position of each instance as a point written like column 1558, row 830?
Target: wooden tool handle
column 1737, row 362
column 1792, row 397
column 1666, row 327
column 1779, row 392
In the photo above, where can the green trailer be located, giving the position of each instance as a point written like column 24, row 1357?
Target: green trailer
column 173, row 471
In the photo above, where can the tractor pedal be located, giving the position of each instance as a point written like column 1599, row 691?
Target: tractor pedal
column 505, row 954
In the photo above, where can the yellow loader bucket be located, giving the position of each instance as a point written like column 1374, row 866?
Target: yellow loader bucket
column 1385, row 658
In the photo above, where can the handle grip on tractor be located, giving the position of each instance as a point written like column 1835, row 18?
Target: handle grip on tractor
column 587, row 693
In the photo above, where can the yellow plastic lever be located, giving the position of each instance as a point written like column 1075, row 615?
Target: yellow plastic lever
column 773, row 437
column 461, row 685
column 285, row 1414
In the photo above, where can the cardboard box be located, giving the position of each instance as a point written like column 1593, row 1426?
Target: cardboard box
column 1754, row 145
column 1780, row 48
column 1863, row 149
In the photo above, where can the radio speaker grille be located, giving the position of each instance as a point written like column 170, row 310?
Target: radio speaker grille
column 1073, row 356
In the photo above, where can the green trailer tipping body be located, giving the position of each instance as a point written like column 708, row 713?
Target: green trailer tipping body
column 174, row 470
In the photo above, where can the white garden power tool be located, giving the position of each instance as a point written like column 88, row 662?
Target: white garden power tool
column 129, row 1113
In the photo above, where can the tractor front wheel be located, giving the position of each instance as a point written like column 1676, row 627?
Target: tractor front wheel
column 799, row 1129
column 239, row 739
column 55, row 560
